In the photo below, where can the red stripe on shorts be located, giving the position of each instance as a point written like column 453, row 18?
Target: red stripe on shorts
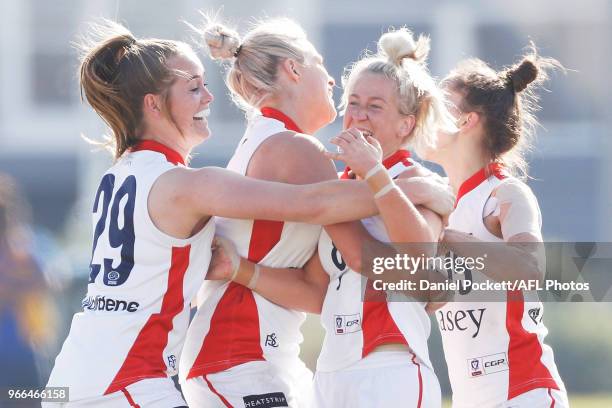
column 214, row 391
column 129, row 398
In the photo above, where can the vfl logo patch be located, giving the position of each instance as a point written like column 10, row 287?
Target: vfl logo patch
column 490, row 364
column 271, row 340
column 344, row 324
column 272, row 400
column 475, row 368
column 534, row 314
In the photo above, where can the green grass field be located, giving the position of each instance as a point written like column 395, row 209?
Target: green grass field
column 578, row 401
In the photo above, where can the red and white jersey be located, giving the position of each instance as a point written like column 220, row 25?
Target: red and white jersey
column 353, row 328
column 141, row 282
column 234, row 325
column 494, row 350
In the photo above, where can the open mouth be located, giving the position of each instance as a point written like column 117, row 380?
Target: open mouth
column 366, row 132
column 201, row 115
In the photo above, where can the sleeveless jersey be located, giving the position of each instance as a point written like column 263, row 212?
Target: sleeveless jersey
column 353, row 328
column 141, row 282
column 234, row 325
column 494, row 350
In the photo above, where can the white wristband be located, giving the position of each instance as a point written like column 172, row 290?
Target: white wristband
column 374, row 170
column 385, row 190
column 254, row 278
column 235, row 273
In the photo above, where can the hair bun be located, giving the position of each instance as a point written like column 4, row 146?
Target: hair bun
column 522, row 75
column 400, row 44
column 222, row 42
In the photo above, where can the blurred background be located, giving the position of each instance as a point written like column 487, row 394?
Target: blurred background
column 46, row 163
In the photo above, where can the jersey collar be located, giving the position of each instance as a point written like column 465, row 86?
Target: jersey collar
column 281, row 117
column 496, row 169
column 171, row 155
column 399, row 156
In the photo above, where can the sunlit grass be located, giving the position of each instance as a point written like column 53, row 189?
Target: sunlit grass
column 576, row 401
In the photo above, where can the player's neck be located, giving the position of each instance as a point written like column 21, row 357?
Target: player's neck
column 170, row 143
column 462, row 167
column 296, row 113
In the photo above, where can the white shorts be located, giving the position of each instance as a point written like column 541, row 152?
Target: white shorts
column 148, row 393
column 538, row 398
column 260, row 384
column 382, row 379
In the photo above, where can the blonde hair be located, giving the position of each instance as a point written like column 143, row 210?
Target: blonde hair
column 117, row 71
column 255, row 59
column 507, row 101
column 403, row 60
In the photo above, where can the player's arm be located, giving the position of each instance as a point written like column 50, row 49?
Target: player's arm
column 195, row 194
column 300, row 289
column 404, row 223
column 301, row 159
column 518, row 222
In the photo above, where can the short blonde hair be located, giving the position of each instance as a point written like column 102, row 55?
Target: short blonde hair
column 402, row 59
column 253, row 73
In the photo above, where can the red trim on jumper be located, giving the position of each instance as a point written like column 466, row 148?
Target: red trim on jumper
column 214, row 391
column 420, row 380
column 264, row 236
column 280, row 116
column 399, row 156
column 129, row 398
column 552, row 405
column 378, row 326
column 145, row 358
column 233, row 337
column 172, row 156
column 496, row 169
column 526, row 370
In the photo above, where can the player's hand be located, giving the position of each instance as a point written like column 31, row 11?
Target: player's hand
column 225, row 260
column 430, row 192
column 358, row 152
column 452, row 236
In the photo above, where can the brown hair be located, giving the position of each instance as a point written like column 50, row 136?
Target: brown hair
column 117, row 71
column 506, row 100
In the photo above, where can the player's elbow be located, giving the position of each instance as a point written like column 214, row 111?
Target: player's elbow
column 533, row 269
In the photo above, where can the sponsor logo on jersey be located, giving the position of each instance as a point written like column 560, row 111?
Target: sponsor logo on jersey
column 271, row 340
column 534, row 314
column 490, row 364
column 271, row 400
column 347, row 323
column 172, row 361
column 103, row 303
column 468, row 321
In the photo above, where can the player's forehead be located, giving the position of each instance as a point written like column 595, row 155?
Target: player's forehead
column 187, row 65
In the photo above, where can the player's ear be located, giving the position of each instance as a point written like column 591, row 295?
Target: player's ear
column 151, row 105
column 291, row 68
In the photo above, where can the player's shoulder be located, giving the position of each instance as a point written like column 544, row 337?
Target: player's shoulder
column 415, row 169
column 512, row 188
column 291, row 143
